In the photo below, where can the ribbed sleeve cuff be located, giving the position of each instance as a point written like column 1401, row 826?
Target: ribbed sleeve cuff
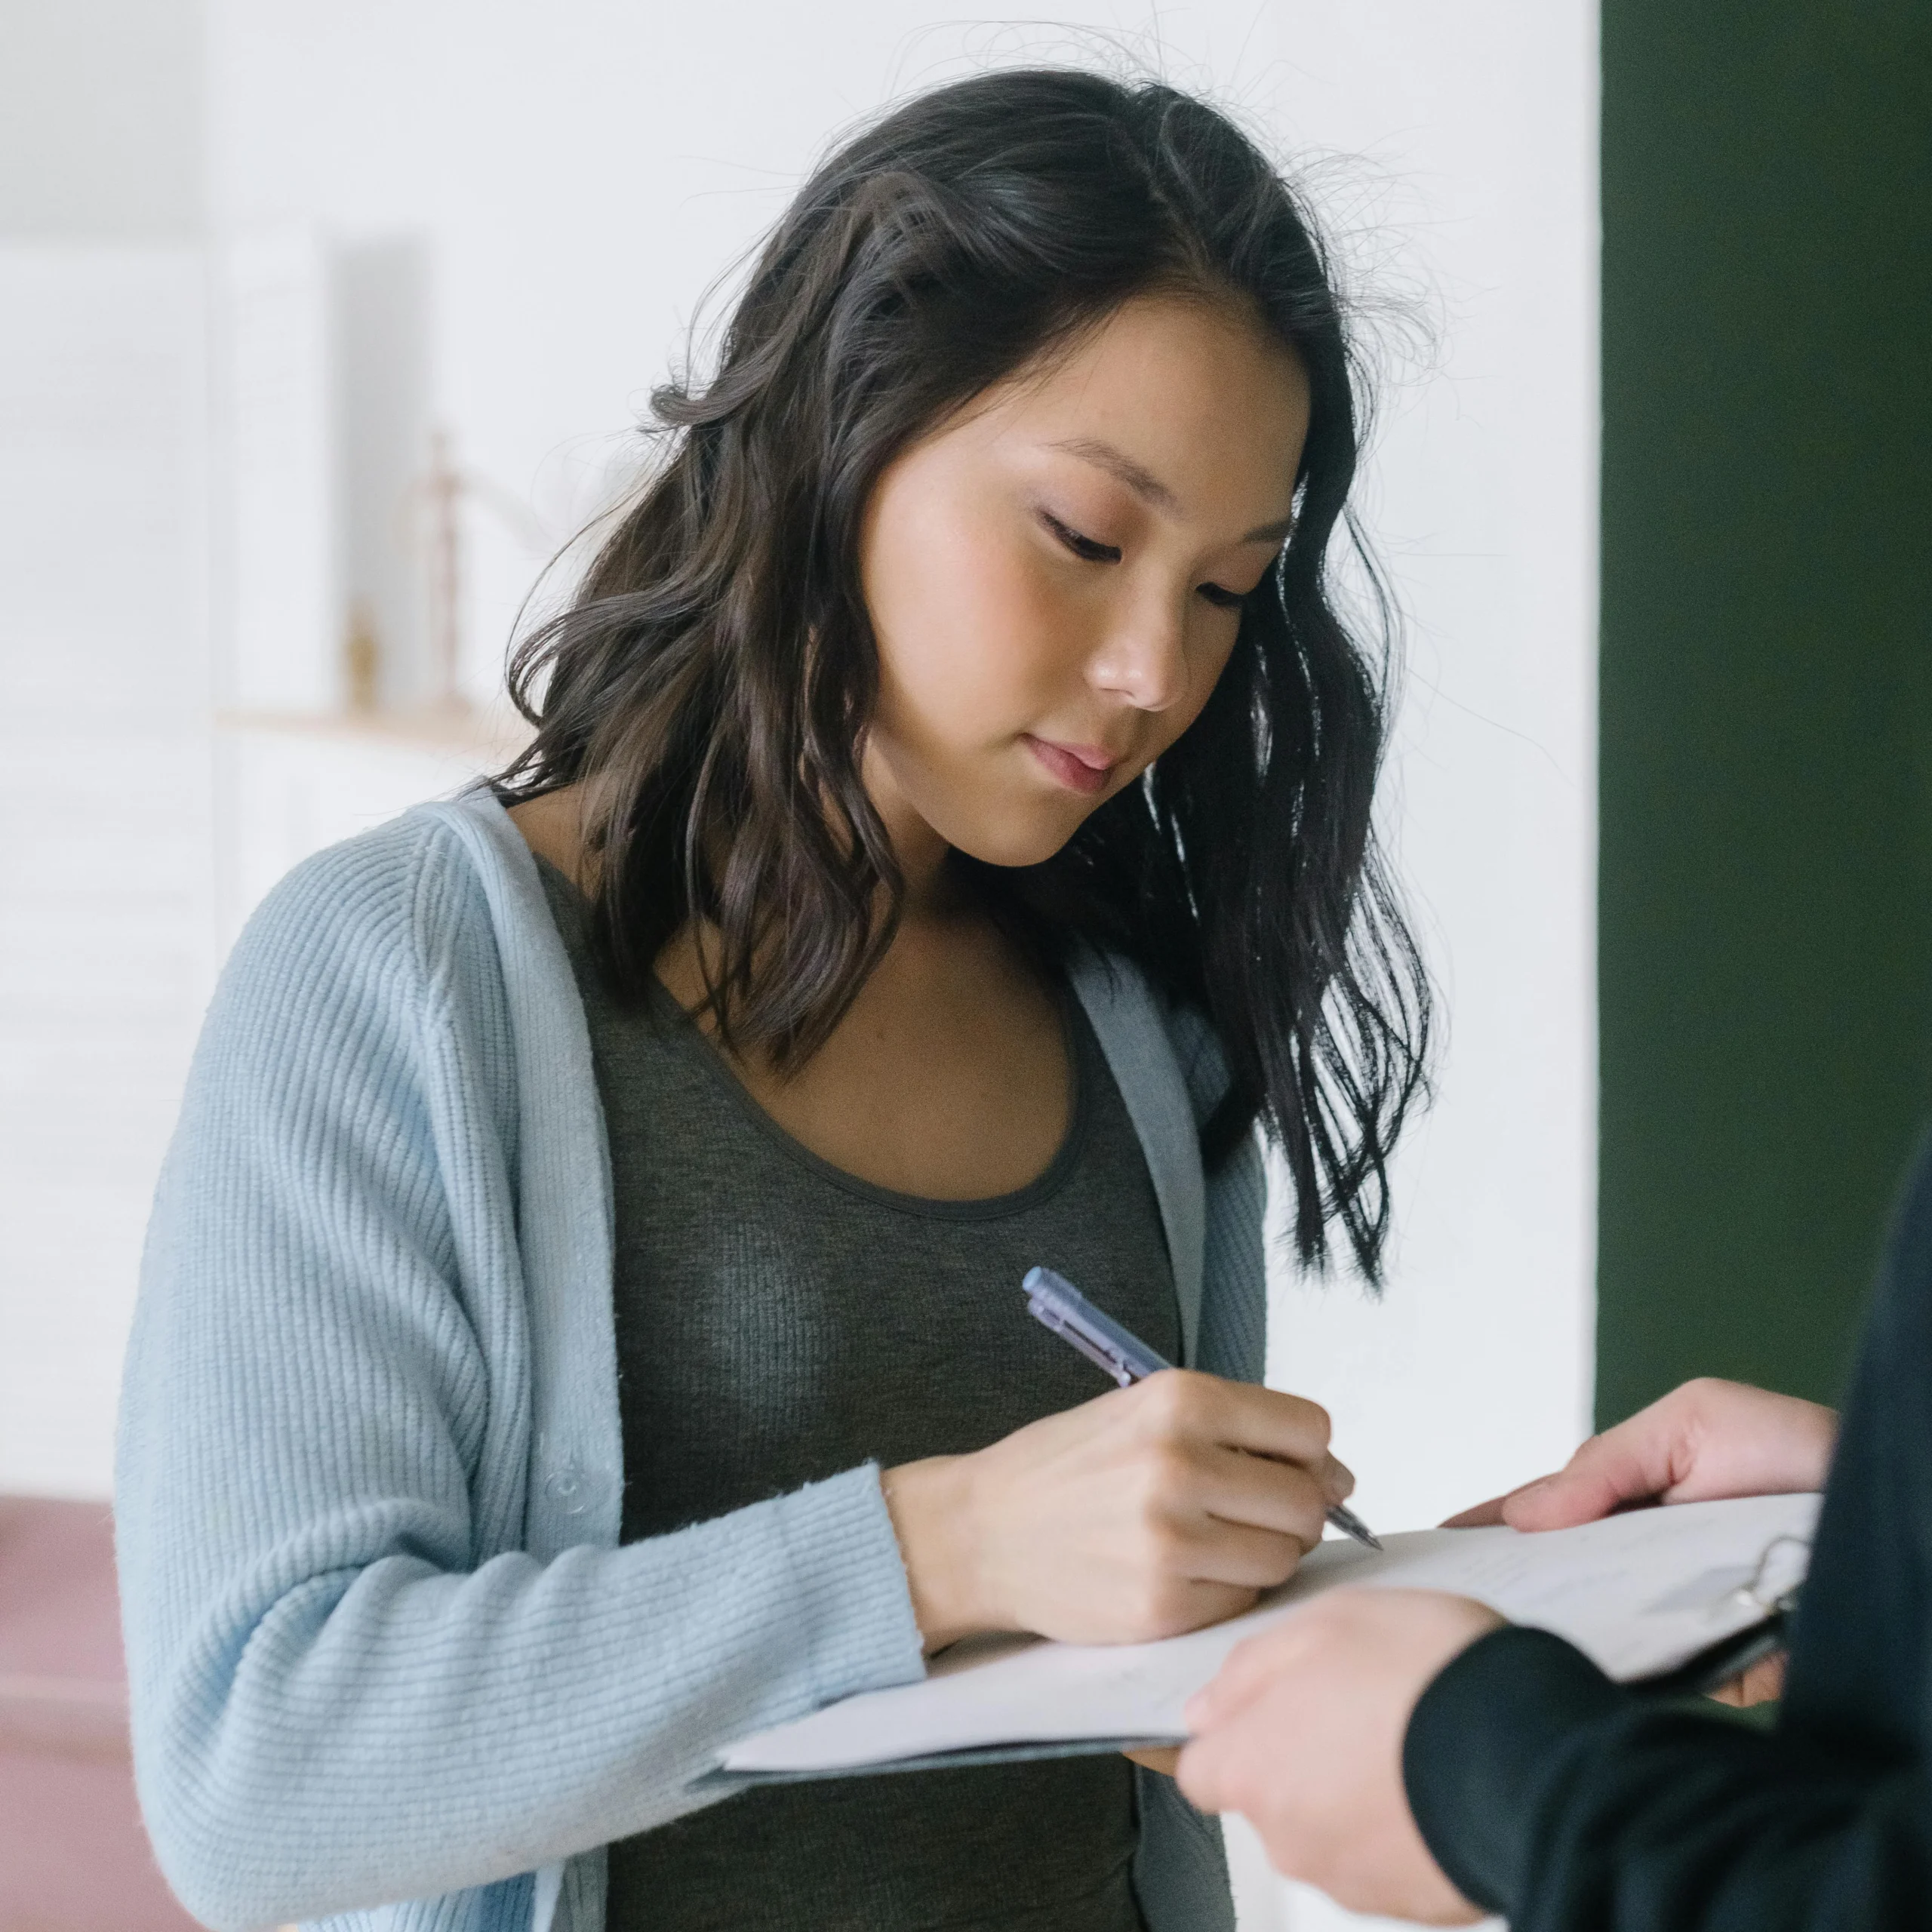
column 1480, row 1745
column 852, row 1603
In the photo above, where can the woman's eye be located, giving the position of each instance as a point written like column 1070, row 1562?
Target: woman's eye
column 1085, row 548
column 1090, row 550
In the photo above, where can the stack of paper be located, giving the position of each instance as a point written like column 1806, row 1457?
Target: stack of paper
column 1640, row 1593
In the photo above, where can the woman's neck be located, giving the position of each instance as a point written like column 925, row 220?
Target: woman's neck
column 553, row 827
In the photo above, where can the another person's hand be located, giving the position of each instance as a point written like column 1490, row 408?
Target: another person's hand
column 1302, row 1734
column 1763, row 1683
column 1145, row 1512
column 1705, row 1440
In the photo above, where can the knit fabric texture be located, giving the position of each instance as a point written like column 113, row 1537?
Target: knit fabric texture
column 383, row 1645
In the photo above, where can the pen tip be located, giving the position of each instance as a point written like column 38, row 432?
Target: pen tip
column 1346, row 1520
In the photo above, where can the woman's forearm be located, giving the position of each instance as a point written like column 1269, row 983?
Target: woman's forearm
column 384, row 1728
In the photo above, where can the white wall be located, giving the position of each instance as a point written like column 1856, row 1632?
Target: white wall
column 1476, row 1366
column 106, row 929
column 100, row 119
column 106, row 926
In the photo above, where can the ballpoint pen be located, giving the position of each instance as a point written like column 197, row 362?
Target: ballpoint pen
column 1054, row 1300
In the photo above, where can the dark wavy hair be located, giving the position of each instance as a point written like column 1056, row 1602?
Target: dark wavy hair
column 711, row 682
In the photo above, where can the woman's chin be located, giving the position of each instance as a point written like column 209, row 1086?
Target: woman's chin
column 1015, row 847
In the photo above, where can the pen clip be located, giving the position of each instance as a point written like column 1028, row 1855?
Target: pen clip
column 1067, row 1325
column 1053, row 1301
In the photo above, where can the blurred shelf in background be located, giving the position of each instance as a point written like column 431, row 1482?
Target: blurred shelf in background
column 490, row 739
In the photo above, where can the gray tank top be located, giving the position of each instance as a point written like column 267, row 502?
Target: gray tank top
column 778, row 1320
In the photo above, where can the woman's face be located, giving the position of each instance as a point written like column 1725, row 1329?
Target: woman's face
column 1055, row 578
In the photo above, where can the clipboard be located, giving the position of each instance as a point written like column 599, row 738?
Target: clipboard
column 1669, row 1601
column 1696, row 1677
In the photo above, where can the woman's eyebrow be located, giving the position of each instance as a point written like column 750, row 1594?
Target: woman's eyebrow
column 1148, row 488
column 1122, row 469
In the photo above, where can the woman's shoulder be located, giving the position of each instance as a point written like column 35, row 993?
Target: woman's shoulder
column 397, row 906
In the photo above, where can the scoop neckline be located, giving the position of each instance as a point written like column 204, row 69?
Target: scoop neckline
column 683, row 1031
column 697, row 1045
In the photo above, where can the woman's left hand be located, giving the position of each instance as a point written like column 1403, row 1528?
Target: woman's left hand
column 1302, row 1734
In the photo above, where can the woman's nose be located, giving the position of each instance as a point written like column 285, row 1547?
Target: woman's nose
column 1144, row 658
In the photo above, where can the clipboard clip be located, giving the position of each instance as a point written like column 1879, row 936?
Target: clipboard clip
column 1773, row 1589
column 1780, row 1577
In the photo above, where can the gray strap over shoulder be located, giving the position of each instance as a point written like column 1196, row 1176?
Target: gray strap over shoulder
column 1127, row 1021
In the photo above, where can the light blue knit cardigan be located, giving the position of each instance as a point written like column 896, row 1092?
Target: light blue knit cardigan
column 383, row 1645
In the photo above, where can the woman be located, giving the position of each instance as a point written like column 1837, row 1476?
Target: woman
column 582, row 1321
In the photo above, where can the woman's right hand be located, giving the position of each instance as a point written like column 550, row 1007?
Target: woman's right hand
column 1704, row 1440
column 1145, row 1512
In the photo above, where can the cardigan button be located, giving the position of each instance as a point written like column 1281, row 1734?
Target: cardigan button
column 572, row 1489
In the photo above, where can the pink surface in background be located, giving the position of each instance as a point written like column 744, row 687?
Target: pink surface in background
column 73, row 1856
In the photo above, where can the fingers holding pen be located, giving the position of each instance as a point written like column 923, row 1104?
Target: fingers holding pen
column 1234, row 1486
column 1225, row 1462
column 1150, row 1510
column 1267, row 1422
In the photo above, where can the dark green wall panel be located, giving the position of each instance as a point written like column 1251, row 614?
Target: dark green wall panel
column 1766, row 895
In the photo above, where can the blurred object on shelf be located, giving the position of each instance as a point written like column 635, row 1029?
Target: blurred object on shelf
column 361, row 662
column 438, row 500
column 353, row 685
column 323, row 390
column 441, row 492
column 73, row 1855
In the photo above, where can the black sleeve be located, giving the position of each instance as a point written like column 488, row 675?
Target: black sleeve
column 1549, row 1794
column 1546, row 1792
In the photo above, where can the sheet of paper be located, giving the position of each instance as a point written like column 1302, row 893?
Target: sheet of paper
column 1639, row 1593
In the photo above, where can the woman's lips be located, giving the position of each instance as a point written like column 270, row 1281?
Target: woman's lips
column 1084, row 768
